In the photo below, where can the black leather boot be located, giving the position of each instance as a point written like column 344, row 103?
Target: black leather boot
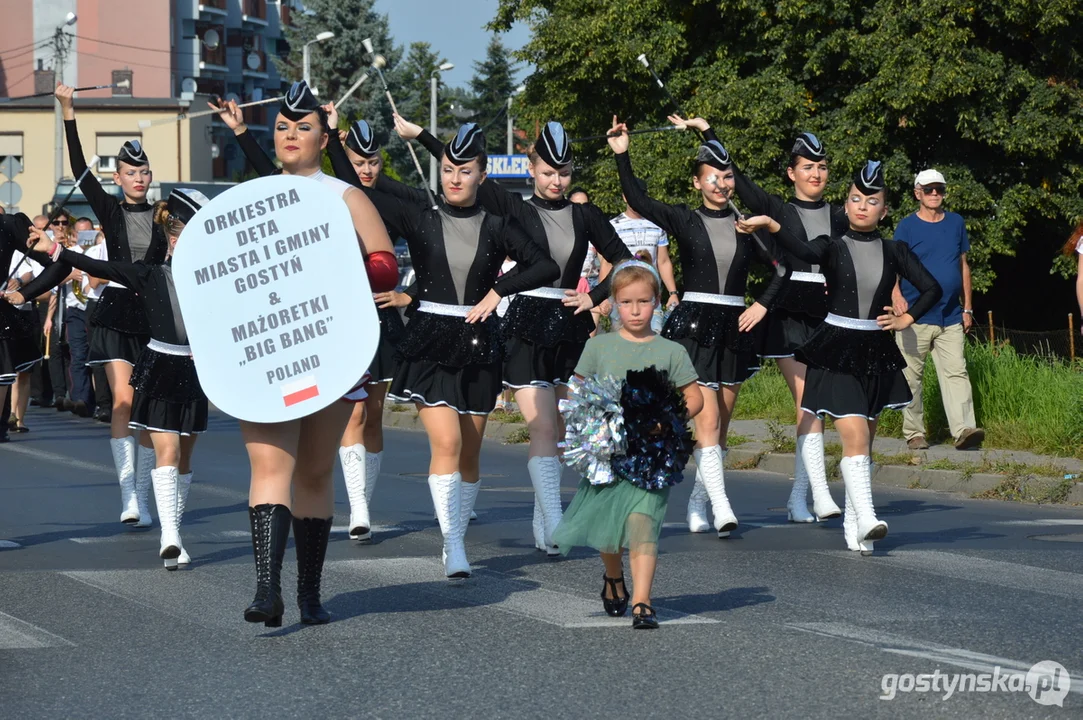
column 270, row 533
column 311, row 536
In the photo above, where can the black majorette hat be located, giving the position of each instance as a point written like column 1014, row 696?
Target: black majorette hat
column 869, row 180
column 809, row 146
column 712, row 153
column 553, row 145
column 132, row 153
column 184, row 203
column 299, row 101
column 361, row 139
column 467, row 144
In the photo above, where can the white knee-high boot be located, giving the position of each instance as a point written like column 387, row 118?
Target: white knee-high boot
column 446, row 493
column 184, row 484
column 166, row 496
column 466, row 507
column 811, row 449
column 538, row 526
column 860, row 526
column 545, row 477
column 697, row 502
column 354, row 470
column 124, row 462
column 712, row 461
column 144, row 466
column 373, row 462
column 797, row 505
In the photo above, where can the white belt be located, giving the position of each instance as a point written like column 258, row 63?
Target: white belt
column 808, row 277
column 851, row 323
column 546, row 292
column 442, row 309
column 169, row 349
column 712, row 299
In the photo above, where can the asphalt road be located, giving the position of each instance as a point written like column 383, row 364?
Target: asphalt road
column 777, row 621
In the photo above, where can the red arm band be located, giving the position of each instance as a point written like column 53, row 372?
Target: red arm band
column 383, row 271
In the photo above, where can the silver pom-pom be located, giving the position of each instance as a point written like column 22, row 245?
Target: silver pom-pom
column 595, row 427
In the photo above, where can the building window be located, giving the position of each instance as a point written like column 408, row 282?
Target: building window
column 108, row 147
column 11, row 145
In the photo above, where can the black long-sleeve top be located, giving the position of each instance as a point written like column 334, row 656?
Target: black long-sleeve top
column 14, row 233
column 154, row 285
column 566, row 229
column 457, row 252
column 130, row 231
column 715, row 258
column 861, row 269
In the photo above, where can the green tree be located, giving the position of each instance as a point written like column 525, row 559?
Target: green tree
column 987, row 93
column 492, row 85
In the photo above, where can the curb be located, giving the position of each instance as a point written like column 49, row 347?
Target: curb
column 759, row 456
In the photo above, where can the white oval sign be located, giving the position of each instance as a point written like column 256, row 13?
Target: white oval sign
column 274, row 295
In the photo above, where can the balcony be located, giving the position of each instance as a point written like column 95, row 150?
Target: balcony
column 216, row 8
column 251, row 68
column 213, row 60
column 254, row 12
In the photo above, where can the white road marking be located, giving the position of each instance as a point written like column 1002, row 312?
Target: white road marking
column 1045, row 522
column 899, row 645
column 9, row 545
column 976, row 569
column 48, row 456
column 16, row 634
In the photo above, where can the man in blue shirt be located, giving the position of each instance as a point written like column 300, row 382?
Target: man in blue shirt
column 939, row 240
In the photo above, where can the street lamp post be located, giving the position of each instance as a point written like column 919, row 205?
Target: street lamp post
column 511, row 124
column 61, row 44
column 433, row 82
column 306, row 61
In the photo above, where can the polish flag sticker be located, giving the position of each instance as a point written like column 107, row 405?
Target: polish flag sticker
column 300, row 390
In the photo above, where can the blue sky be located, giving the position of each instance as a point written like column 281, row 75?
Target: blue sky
column 455, row 30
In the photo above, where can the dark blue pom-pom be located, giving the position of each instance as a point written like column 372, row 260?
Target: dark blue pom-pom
column 656, row 423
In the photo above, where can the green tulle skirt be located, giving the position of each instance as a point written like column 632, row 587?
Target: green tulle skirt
column 611, row 517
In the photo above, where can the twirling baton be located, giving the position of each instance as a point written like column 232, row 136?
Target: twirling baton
column 643, row 59
column 387, row 92
column 377, row 61
column 56, row 212
column 121, row 84
column 779, row 270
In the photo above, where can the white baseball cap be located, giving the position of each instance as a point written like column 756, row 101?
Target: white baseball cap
column 929, row 177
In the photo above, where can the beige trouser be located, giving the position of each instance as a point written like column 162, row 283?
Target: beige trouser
column 947, row 346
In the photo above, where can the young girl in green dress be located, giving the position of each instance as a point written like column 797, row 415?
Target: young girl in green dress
column 621, row 515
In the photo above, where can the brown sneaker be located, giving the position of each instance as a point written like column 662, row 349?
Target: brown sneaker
column 969, row 439
column 917, row 443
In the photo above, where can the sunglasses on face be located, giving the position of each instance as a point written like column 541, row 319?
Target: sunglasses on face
column 933, row 190
column 59, row 222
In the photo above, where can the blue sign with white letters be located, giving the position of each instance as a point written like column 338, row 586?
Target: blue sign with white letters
column 508, row 166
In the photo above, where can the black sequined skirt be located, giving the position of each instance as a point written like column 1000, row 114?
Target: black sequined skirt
column 15, row 323
column 851, row 352
column 108, row 345
column 451, row 341
column 471, row 389
column 171, row 378
column 386, row 362
column 807, row 298
column 717, row 365
column 530, row 365
column 786, row 330
column 19, row 346
column 546, row 322
column 709, row 325
column 163, row 416
column 844, row 395
column 121, row 310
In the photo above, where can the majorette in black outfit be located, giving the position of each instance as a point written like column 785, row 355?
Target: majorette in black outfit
column 19, row 347
column 457, row 253
column 715, row 259
column 800, row 309
column 854, row 366
column 168, row 397
column 543, row 338
column 802, row 306
column 121, row 329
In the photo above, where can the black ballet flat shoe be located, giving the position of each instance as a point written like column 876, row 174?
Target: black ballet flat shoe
column 310, row 535
column 21, row 429
column 645, row 618
column 614, row 606
column 270, row 533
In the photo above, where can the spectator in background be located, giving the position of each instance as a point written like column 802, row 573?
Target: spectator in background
column 21, row 389
column 641, row 235
column 41, row 387
column 939, row 240
column 75, row 329
column 92, row 289
column 579, row 196
column 56, row 319
column 1074, row 246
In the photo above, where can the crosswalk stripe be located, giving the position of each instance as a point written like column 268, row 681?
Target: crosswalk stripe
column 976, row 569
column 9, row 545
column 1044, row 522
column 899, row 645
column 16, row 634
